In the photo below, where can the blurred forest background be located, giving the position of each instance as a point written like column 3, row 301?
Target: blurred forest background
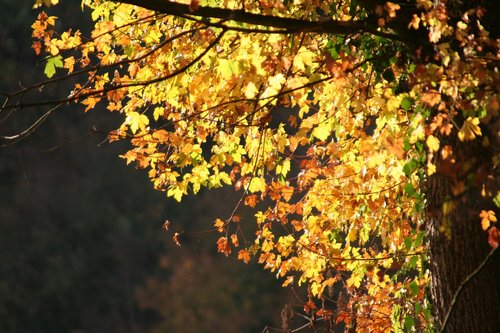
column 81, row 243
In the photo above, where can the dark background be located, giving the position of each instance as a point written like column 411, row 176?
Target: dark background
column 81, row 243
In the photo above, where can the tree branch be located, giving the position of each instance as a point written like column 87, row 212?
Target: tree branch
column 462, row 285
column 289, row 25
column 77, row 96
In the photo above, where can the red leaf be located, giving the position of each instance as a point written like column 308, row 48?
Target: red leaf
column 493, row 237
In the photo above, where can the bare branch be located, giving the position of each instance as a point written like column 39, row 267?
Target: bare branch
column 18, row 137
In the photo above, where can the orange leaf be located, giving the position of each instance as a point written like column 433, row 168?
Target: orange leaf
column 234, row 240
column 431, row 97
column 493, row 237
column 251, row 200
column 487, row 217
column 223, row 246
column 244, row 255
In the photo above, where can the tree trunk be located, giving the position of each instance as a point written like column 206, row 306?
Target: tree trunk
column 453, row 259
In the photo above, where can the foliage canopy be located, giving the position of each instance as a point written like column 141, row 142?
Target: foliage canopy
column 328, row 117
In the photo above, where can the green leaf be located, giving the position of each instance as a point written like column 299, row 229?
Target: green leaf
column 409, row 189
column 419, row 238
column 408, row 241
column 413, row 262
column 409, row 323
column 496, row 199
column 406, row 145
column 414, row 288
column 406, row 103
column 52, row 64
column 409, row 167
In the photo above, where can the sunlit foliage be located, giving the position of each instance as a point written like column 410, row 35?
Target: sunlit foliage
column 326, row 116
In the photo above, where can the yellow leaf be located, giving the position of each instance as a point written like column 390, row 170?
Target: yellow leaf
column 357, row 276
column 158, row 112
column 322, row 131
column 469, row 129
column 414, row 22
column 219, row 224
column 432, row 143
column 288, row 281
column 46, row 3
column 391, row 8
column 431, row 169
column 251, row 90
column 282, row 169
column 137, row 121
column 276, row 81
column 257, row 185
column 304, row 58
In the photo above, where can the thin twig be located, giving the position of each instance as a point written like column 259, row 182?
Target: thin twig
column 462, row 285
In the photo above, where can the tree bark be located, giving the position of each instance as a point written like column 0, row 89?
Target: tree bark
column 454, row 259
column 286, row 25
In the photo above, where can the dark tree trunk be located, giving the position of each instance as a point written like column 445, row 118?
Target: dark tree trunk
column 453, row 259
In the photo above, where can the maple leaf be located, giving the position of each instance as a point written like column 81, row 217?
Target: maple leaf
column 494, row 237
column 234, row 240
column 469, row 129
column 137, row 122
column 487, row 218
column 51, row 65
column 431, row 98
column 219, row 224
column 223, row 246
column 432, row 143
column 244, row 255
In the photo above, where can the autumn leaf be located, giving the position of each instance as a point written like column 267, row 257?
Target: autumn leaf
column 244, row 255
column 487, row 218
column 469, row 129
column 137, row 122
column 46, row 3
column 251, row 200
column 391, row 8
column 219, row 225
column 415, row 22
column 494, row 237
column 223, row 246
column 432, row 143
column 234, row 240
column 431, row 98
